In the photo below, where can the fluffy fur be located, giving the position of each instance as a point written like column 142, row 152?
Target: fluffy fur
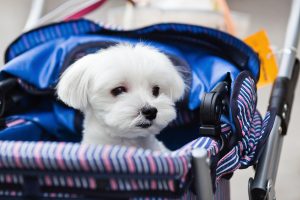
column 89, row 83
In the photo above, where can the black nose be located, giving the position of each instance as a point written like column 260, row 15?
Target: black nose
column 149, row 112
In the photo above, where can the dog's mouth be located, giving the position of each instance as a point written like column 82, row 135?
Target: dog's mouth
column 144, row 125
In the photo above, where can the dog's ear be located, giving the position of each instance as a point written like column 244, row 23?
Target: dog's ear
column 72, row 87
column 177, row 86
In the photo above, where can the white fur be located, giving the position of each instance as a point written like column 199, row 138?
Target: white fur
column 87, row 85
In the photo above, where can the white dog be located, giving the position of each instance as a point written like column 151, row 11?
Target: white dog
column 126, row 92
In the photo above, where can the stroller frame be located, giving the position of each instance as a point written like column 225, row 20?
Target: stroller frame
column 262, row 186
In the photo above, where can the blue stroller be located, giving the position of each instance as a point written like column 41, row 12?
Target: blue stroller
column 217, row 129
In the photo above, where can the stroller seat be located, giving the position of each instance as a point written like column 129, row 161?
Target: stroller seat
column 47, row 161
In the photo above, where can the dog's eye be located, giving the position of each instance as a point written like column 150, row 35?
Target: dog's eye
column 155, row 91
column 118, row 90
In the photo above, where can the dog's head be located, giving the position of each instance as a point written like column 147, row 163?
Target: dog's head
column 129, row 89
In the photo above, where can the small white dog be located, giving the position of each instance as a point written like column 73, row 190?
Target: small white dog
column 126, row 92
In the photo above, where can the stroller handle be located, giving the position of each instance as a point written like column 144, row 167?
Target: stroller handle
column 291, row 41
column 263, row 185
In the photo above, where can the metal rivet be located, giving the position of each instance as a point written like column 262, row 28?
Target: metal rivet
column 285, row 107
column 283, row 115
column 280, row 130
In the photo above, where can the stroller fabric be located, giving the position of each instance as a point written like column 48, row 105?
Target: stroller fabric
column 206, row 57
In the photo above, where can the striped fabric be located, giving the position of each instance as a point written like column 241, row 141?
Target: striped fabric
column 228, row 39
column 19, row 194
column 252, row 128
column 167, row 171
column 102, row 160
column 243, row 153
column 117, row 168
column 222, row 193
column 223, row 190
column 34, row 38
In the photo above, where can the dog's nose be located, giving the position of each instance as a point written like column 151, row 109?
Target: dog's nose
column 149, row 112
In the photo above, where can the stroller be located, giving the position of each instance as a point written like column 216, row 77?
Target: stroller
column 217, row 129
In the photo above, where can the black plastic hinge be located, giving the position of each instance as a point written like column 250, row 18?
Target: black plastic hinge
column 213, row 105
column 282, row 97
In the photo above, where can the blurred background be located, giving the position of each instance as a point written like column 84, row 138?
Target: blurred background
column 245, row 17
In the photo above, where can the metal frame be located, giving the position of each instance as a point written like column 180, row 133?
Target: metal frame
column 203, row 183
column 263, row 185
